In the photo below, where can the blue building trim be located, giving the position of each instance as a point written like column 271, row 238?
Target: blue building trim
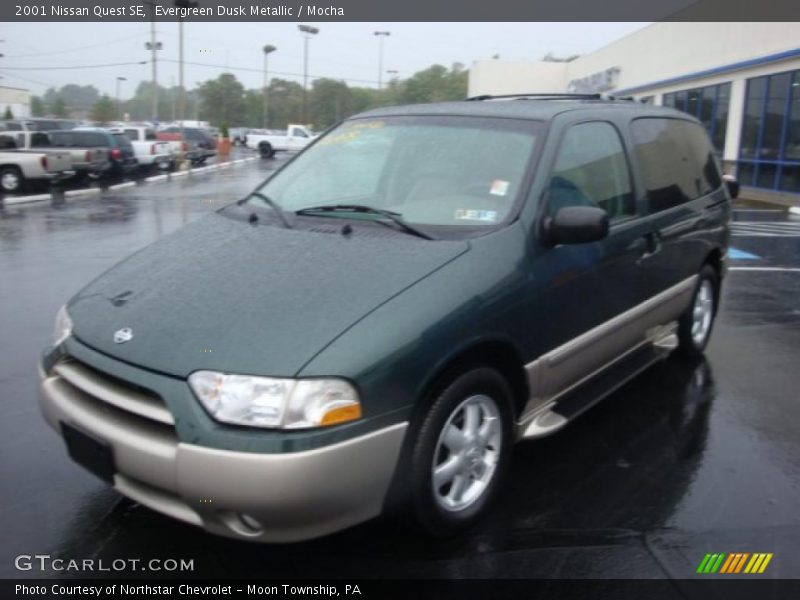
column 754, row 62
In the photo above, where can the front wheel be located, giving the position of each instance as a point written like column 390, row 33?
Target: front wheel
column 461, row 452
column 694, row 327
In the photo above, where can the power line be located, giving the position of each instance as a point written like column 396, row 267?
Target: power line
column 284, row 73
column 98, row 44
column 141, row 62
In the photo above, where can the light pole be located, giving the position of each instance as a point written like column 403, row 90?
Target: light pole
column 181, row 92
column 267, row 49
column 380, row 35
column 119, row 79
column 308, row 32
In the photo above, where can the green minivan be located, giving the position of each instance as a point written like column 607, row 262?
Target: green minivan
column 375, row 326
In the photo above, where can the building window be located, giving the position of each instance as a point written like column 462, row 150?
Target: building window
column 769, row 155
column 709, row 104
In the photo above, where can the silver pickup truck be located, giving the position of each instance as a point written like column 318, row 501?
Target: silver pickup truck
column 87, row 158
column 21, row 168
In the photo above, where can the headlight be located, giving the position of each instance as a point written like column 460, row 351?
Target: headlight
column 275, row 403
column 63, row 326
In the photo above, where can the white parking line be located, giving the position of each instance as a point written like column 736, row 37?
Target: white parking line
column 156, row 178
column 776, row 269
column 768, row 210
column 765, row 229
column 26, row 199
column 83, row 192
column 121, row 186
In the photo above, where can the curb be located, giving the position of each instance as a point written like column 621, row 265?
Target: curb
column 11, row 201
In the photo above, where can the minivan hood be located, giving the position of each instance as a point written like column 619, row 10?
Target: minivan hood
column 225, row 295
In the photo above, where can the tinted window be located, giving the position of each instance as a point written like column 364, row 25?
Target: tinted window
column 122, row 140
column 149, row 134
column 12, row 126
column 90, row 139
column 676, row 160
column 132, row 134
column 44, row 125
column 62, row 138
column 39, row 140
column 591, row 170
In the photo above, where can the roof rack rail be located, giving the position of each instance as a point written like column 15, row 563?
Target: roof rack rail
column 550, row 96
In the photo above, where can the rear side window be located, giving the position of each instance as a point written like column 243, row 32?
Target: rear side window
column 132, row 134
column 122, row 140
column 591, row 170
column 149, row 135
column 63, row 139
column 676, row 160
column 39, row 140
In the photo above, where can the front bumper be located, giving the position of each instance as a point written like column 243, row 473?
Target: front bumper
column 280, row 497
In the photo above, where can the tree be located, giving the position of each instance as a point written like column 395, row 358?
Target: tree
column 329, row 102
column 434, row 84
column 59, row 108
column 77, row 97
column 222, row 99
column 9, row 113
column 37, row 107
column 104, row 110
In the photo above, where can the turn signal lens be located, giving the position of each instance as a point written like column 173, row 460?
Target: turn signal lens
column 341, row 415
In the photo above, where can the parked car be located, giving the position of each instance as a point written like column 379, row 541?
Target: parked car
column 121, row 154
column 433, row 283
column 296, row 137
column 197, row 144
column 237, row 135
column 85, row 159
column 19, row 169
column 149, row 151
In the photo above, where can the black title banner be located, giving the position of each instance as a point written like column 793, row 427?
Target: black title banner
column 405, row 10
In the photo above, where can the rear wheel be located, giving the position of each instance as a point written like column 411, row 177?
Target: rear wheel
column 461, row 452
column 11, row 180
column 695, row 325
column 266, row 150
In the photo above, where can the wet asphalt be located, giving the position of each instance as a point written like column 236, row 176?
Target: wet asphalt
column 686, row 459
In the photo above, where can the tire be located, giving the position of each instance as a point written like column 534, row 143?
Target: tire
column 697, row 322
column 266, row 150
column 453, row 483
column 12, row 180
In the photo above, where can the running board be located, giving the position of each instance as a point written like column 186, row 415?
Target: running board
column 576, row 402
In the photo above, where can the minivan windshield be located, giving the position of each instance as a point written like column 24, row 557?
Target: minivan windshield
column 429, row 170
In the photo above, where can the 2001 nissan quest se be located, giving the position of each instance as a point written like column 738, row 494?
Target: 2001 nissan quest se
column 377, row 324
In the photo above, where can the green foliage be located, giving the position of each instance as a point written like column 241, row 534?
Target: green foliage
column 37, row 107
column 8, row 114
column 59, row 108
column 104, row 110
column 77, row 97
column 222, row 100
column 223, row 130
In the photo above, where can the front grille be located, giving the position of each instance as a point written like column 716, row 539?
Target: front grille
column 113, row 392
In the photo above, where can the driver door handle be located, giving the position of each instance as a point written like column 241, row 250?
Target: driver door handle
column 650, row 247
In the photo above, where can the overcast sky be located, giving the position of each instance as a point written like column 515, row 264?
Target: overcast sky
column 347, row 51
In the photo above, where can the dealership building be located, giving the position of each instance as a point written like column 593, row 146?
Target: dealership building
column 741, row 80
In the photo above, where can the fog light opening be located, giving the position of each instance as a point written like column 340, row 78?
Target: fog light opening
column 242, row 523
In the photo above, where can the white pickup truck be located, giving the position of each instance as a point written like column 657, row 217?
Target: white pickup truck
column 296, row 137
column 18, row 168
column 149, row 151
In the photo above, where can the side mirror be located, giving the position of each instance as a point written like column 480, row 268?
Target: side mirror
column 576, row 225
column 733, row 186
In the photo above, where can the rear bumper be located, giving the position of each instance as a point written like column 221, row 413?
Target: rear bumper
column 285, row 496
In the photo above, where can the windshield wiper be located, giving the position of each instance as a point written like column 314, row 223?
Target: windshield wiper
column 392, row 216
column 272, row 204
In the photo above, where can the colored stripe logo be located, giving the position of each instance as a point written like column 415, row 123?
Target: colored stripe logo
column 733, row 563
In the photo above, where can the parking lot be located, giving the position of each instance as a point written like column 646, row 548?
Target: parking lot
column 684, row 460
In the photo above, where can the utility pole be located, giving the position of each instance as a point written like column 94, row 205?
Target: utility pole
column 119, row 79
column 380, row 35
column 154, row 47
column 308, row 32
column 267, row 50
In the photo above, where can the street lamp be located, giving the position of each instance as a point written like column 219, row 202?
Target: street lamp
column 119, row 79
column 308, row 32
column 380, row 35
column 267, row 49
